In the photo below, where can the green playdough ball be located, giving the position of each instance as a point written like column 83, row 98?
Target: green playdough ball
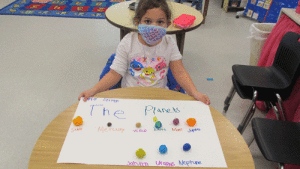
column 140, row 153
column 158, row 124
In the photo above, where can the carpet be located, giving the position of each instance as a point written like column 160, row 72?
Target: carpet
column 60, row 8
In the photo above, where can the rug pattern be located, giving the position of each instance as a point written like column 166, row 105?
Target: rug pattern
column 60, row 8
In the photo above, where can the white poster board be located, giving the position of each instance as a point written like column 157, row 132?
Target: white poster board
column 94, row 142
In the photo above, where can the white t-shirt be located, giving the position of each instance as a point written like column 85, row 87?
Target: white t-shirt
column 141, row 65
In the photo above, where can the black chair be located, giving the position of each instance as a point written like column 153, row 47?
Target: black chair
column 269, row 84
column 279, row 141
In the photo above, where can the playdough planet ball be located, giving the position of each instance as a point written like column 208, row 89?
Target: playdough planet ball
column 186, row 147
column 140, row 153
column 158, row 124
column 154, row 119
column 176, row 121
column 163, row 149
column 109, row 124
column 191, row 122
column 77, row 121
column 138, row 125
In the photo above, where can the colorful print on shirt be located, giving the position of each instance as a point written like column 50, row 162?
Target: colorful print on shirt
column 148, row 71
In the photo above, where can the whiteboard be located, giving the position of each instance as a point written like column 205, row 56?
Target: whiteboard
column 94, row 142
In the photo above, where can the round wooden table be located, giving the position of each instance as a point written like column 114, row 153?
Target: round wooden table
column 47, row 148
column 121, row 16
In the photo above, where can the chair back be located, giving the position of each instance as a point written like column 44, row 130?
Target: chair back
column 287, row 58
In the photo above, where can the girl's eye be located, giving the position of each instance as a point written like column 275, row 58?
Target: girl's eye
column 147, row 21
column 161, row 22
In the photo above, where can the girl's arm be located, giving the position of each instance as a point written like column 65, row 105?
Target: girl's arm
column 185, row 81
column 108, row 81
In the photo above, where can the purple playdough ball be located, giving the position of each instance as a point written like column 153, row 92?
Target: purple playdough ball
column 176, row 121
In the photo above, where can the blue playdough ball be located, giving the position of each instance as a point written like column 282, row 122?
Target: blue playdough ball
column 186, row 147
column 158, row 124
column 163, row 149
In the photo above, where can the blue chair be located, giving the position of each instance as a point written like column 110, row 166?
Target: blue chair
column 172, row 84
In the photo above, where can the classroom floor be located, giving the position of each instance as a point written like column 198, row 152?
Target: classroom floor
column 46, row 62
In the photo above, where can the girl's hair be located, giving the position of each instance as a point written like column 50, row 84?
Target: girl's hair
column 144, row 5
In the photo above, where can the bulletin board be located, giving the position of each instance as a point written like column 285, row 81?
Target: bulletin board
column 267, row 11
column 109, row 135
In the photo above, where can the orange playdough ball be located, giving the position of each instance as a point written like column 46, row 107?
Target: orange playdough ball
column 77, row 121
column 191, row 122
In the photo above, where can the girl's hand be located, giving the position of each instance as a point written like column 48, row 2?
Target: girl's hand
column 86, row 94
column 201, row 97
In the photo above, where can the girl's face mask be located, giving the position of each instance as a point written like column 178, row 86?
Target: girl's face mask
column 152, row 34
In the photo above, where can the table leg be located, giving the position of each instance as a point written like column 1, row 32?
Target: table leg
column 205, row 10
column 123, row 32
column 180, row 41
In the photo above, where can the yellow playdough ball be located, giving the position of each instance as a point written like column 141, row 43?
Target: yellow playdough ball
column 77, row 121
column 140, row 153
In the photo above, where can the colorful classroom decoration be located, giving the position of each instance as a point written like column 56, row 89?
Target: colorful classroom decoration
column 60, row 8
column 267, row 11
column 171, row 145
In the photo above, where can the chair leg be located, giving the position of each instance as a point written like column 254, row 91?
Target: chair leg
column 267, row 106
column 249, row 114
column 279, row 100
column 228, row 99
column 251, row 141
column 275, row 110
column 281, row 165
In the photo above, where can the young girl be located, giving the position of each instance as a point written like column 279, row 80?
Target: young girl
column 143, row 58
